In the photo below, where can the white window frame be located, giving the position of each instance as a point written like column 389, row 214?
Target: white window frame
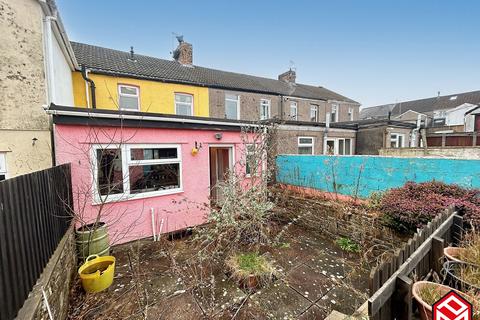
column 183, row 103
column 237, row 101
column 137, row 89
column 336, row 146
column 314, row 108
column 334, row 108
column 392, row 139
column 312, row 144
column 293, row 106
column 350, row 113
column 265, row 103
column 3, row 164
column 126, row 163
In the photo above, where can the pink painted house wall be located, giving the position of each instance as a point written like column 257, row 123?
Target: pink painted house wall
column 131, row 219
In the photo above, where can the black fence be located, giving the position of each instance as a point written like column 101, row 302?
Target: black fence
column 34, row 216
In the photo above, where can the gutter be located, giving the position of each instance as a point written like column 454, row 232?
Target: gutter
column 60, row 32
column 92, row 87
column 143, row 117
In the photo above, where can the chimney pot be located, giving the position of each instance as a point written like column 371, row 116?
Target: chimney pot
column 184, row 52
column 288, row 76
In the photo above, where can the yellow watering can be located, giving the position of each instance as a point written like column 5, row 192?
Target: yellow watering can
column 97, row 273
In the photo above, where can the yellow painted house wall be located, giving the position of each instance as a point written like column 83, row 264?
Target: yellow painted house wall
column 155, row 96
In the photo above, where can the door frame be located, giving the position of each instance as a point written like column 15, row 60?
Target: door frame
column 231, row 155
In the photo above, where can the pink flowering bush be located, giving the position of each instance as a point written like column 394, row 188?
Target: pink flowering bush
column 415, row 204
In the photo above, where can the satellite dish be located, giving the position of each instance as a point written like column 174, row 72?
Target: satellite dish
column 179, row 38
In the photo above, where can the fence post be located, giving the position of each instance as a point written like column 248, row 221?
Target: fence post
column 436, row 254
column 402, row 298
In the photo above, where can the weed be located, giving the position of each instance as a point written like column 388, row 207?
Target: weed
column 346, row 244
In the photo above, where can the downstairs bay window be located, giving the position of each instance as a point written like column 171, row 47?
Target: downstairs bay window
column 132, row 171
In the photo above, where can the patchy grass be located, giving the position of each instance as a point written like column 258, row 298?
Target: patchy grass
column 348, row 245
column 246, row 265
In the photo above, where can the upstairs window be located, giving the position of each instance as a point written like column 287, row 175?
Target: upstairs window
column 3, row 167
column 397, row 140
column 334, row 113
column 305, row 145
column 128, row 97
column 183, row 104
column 293, row 110
column 232, row 106
column 314, row 113
column 264, row 109
column 350, row 113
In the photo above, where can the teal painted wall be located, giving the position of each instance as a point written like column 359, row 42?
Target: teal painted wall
column 362, row 175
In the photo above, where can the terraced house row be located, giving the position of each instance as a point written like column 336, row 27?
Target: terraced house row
column 132, row 82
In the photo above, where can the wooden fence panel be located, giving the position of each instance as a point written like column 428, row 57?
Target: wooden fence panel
column 389, row 284
column 34, row 216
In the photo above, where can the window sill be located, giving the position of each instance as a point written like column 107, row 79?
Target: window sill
column 123, row 197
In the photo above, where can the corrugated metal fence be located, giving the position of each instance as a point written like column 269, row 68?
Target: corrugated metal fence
column 34, row 216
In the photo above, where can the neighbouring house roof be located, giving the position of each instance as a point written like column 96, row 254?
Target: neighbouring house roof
column 335, row 125
column 474, row 110
column 410, row 111
column 372, row 123
column 429, row 105
column 115, row 62
column 378, row 112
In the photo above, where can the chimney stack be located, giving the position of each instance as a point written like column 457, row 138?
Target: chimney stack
column 184, row 52
column 289, row 76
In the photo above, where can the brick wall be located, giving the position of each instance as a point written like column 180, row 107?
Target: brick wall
column 56, row 281
column 249, row 104
column 338, row 219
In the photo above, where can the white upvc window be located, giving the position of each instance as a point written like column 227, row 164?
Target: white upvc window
column 128, row 97
column 334, row 113
column 314, row 113
column 232, row 106
column 338, row 146
column 397, row 140
column 293, row 110
column 131, row 171
column 305, row 145
column 184, row 104
column 350, row 113
column 264, row 109
column 3, row 166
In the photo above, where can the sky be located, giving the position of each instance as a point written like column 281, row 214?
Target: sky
column 374, row 52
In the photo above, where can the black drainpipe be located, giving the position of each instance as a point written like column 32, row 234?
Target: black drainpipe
column 92, row 86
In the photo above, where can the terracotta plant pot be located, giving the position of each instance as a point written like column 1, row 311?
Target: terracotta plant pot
column 453, row 253
column 425, row 309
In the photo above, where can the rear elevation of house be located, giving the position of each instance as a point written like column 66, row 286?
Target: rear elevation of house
column 311, row 118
